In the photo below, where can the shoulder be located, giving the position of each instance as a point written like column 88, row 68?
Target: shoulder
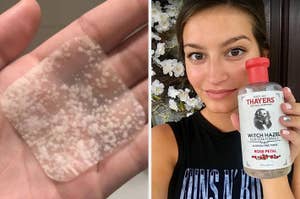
column 163, row 159
column 174, row 132
column 168, row 138
column 164, row 142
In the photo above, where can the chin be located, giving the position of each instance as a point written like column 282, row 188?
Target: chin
column 220, row 107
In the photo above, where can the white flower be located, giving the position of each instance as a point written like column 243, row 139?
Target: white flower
column 189, row 114
column 160, row 49
column 157, row 87
column 172, row 92
column 194, row 103
column 184, row 94
column 155, row 11
column 190, row 103
column 152, row 52
column 173, row 2
column 173, row 105
column 178, row 69
column 199, row 103
column 172, row 10
column 168, row 69
column 156, row 61
column 155, row 36
column 167, row 66
column 152, row 73
column 172, row 66
column 165, row 43
column 188, row 107
column 163, row 23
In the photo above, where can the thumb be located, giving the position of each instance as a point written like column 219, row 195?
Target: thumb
column 235, row 120
column 18, row 26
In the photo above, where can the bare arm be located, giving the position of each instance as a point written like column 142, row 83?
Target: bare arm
column 296, row 178
column 280, row 188
column 277, row 188
column 164, row 158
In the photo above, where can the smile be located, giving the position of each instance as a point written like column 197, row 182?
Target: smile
column 219, row 94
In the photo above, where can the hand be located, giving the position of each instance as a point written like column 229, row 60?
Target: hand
column 292, row 121
column 280, row 187
column 109, row 24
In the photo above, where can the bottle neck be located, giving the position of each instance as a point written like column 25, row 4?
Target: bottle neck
column 258, row 75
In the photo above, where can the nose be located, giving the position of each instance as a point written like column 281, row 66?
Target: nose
column 217, row 72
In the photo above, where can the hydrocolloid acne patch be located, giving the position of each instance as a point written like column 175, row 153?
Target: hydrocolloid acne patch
column 72, row 109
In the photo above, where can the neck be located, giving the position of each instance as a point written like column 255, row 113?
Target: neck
column 221, row 121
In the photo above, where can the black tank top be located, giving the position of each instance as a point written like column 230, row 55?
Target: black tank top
column 209, row 163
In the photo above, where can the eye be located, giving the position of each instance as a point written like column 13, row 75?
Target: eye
column 235, row 52
column 194, row 57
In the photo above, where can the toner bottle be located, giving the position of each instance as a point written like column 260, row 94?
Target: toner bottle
column 265, row 153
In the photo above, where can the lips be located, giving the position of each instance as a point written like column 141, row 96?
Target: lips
column 219, row 93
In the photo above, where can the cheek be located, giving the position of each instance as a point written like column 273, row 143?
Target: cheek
column 241, row 76
column 195, row 76
column 238, row 73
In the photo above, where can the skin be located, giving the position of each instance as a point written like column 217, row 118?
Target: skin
column 210, row 62
column 21, row 175
column 217, row 42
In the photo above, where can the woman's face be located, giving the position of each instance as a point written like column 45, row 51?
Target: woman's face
column 217, row 42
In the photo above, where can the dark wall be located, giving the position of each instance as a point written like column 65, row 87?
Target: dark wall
column 285, row 43
column 293, row 75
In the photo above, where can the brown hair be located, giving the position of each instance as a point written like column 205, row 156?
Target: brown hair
column 254, row 8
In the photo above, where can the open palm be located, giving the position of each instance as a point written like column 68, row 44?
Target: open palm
column 109, row 24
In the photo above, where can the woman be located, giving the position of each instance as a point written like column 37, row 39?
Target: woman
column 200, row 156
column 21, row 175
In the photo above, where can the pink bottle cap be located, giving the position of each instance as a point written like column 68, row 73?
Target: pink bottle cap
column 257, row 69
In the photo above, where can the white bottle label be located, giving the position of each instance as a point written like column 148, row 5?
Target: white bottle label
column 262, row 145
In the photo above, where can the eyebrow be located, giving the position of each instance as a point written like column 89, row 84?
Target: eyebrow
column 235, row 39
column 225, row 43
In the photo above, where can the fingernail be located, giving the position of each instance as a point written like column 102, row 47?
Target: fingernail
column 285, row 132
column 289, row 90
column 286, row 118
column 288, row 106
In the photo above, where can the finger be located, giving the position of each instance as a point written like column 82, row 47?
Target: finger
column 16, row 70
column 288, row 95
column 109, row 24
column 294, row 138
column 131, row 64
column 18, row 26
column 106, row 12
column 291, row 108
column 235, row 121
column 141, row 94
column 130, row 60
column 290, row 121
